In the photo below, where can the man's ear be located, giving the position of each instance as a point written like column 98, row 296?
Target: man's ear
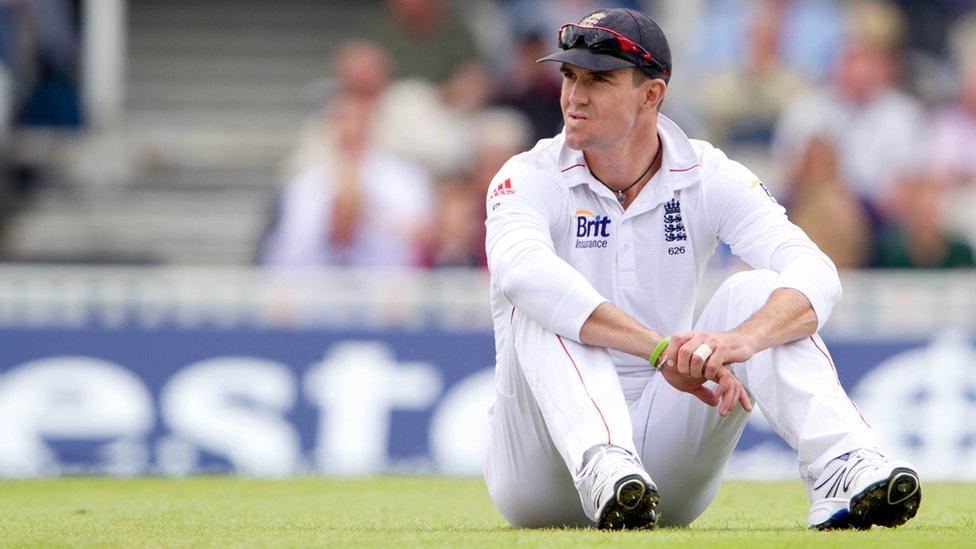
column 656, row 90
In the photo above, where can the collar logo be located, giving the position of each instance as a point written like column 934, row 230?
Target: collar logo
column 674, row 227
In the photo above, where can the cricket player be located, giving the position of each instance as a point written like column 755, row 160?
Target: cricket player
column 612, row 407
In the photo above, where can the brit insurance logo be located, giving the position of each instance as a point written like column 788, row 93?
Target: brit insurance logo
column 592, row 230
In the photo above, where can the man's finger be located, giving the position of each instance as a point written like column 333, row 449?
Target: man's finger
column 729, row 386
column 706, row 395
column 744, row 399
column 670, row 352
column 697, row 366
column 683, row 358
column 713, row 364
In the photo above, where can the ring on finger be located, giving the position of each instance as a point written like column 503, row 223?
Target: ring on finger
column 703, row 351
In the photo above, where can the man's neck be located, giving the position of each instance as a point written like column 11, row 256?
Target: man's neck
column 621, row 166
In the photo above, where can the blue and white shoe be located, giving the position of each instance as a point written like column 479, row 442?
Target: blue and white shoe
column 864, row 488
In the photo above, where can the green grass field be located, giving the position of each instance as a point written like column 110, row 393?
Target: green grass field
column 424, row 511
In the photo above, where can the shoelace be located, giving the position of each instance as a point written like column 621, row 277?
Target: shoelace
column 845, row 475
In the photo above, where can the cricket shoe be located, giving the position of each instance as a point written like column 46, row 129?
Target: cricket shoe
column 616, row 491
column 863, row 488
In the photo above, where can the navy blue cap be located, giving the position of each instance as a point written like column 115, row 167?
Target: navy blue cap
column 633, row 24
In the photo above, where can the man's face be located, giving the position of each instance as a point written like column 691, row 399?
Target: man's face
column 864, row 70
column 599, row 108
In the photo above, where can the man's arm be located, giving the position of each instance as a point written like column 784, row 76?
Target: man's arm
column 522, row 257
column 612, row 328
column 743, row 214
column 347, row 205
column 786, row 316
column 297, row 236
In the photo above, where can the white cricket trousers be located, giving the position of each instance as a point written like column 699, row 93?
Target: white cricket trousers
column 557, row 398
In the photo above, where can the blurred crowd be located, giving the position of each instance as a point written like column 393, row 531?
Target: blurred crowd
column 859, row 115
column 39, row 78
column 867, row 110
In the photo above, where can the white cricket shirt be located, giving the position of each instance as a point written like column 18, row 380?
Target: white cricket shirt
column 559, row 244
column 397, row 202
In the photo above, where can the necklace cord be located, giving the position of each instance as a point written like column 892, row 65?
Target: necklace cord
column 620, row 193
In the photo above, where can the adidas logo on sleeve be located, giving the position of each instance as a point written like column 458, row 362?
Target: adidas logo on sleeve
column 503, row 188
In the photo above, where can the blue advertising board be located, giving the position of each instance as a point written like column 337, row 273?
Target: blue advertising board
column 277, row 403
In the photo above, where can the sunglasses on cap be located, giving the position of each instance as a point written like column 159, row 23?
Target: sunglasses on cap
column 609, row 42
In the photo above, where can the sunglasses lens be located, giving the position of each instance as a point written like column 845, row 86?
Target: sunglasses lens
column 570, row 37
column 600, row 40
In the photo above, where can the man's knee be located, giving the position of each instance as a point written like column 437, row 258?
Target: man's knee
column 541, row 507
column 686, row 500
column 750, row 289
column 752, row 279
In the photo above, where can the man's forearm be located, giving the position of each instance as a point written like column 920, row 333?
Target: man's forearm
column 787, row 316
column 612, row 328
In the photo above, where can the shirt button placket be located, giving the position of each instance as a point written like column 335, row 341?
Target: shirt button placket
column 625, row 253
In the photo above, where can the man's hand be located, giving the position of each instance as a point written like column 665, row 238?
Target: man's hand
column 727, row 348
column 730, row 389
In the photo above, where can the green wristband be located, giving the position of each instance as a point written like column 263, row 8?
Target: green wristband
column 656, row 353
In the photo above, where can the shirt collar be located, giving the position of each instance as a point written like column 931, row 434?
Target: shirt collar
column 680, row 168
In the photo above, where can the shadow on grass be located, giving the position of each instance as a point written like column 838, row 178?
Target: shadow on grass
column 365, row 529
